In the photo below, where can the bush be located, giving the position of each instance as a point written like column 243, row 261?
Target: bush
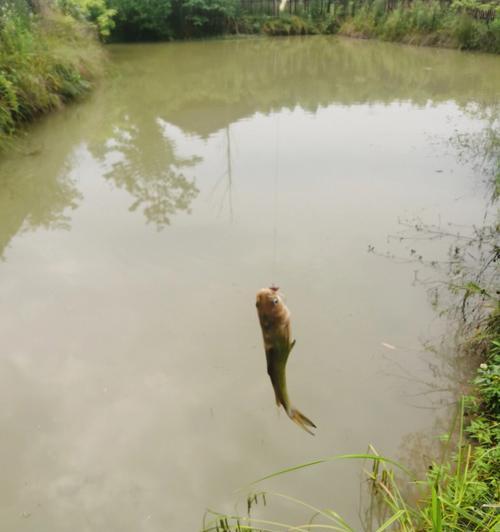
column 8, row 106
column 427, row 17
column 427, row 23
column 364, row 22
column 289, row 25
column 94, row 11
column 204, row 17
column 328, row 25
column 463, row 28
column 492, row 38
column 396, row 25
column 137, row 20
column 248, row 24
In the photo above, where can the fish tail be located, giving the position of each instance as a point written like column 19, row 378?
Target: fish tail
column 302, row 421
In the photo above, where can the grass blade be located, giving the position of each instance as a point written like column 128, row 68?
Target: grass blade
column 360, row 456
column 391, row 520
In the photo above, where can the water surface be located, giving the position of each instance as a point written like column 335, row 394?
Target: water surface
column 135, row 229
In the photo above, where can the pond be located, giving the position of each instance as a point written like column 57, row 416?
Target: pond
column 135, row 230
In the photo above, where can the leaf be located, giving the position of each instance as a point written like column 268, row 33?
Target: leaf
column 436, row 511
column 391, row 520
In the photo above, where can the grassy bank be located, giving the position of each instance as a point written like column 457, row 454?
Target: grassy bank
column 47, row 58
column 425, row 23
column 419, row 23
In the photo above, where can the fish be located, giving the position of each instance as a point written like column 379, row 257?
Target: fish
column 274, row 318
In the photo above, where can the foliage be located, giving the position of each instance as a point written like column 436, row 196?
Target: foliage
column 488, row 382
column 464, row 24
column 94, row 11
column 286, row 25
column 488, row 10
column 8, row 105
column 137, row 20
column 44, row 62
column 289, row 25
column 427, row 23
column 205, row 17
column 166, row 19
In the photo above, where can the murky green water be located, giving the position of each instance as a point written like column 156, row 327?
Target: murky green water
column 135, row 229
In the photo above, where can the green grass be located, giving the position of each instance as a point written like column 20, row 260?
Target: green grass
column 45, row 61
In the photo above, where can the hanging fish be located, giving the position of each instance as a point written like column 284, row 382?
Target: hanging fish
column 274, row 319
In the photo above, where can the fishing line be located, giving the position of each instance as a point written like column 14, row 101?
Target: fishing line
column 275, row 199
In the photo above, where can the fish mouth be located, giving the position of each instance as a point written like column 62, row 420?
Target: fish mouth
column 274, row 288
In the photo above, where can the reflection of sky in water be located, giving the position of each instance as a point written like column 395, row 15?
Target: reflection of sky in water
column 132, row 368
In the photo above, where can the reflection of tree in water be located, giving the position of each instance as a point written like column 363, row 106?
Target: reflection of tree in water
column 143, row 161
column 460, row 272
column 30, row 199
column 149, row 170
column 481, row 149
column 204, row 88
column 162, row 197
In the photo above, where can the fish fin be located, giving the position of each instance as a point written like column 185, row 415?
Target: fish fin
column 270, row 356
column 278, row 402
column 292, row 345
column 302, row 421
column 271, row 371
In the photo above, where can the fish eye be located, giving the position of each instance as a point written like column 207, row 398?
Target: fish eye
column 275, row 300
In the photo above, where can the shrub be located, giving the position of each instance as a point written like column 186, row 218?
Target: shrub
column 204, row 17
column 363, row 24
column 396, row 25
column 142, row 20
column 93, row 11
column 289, row 25
column 492, row 38
column 427, row 17
column 464, row 30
